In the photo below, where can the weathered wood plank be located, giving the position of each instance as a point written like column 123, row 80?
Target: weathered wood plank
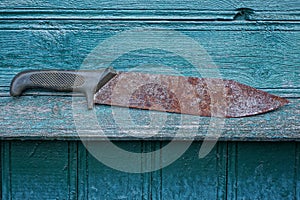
column 45, row 117
column 114, row 26
column 149, row 14
column 261, row 59
column 263, row 54
column 159, row 5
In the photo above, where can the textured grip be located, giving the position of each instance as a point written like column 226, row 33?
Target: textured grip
column 87, row 82
column 58, row 80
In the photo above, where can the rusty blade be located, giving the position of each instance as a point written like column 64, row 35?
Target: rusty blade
column 187, row 95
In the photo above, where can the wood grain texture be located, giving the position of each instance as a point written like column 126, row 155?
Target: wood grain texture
column 149, row 14
column 194, row 178
column 261, row 59
column 37, row 170
column 231, row 177
column 5, row 171
column 40, row 169
column 49, row 117
column 263, row 171
column 106, row 183
column 260, row 54
column 258, row 47
column 297, row 171
column 158, row 5
column 1, row 166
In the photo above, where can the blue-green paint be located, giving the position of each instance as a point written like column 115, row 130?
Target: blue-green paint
column 233, row 170
column 259, row 48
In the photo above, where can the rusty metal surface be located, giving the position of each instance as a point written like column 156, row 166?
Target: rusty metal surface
column 186, row 95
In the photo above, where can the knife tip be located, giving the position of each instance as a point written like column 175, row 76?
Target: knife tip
column 283, row 101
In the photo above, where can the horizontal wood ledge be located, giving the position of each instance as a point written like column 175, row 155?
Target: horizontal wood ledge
column 52, row 118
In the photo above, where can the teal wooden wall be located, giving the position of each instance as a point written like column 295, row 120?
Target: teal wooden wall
column 233, row 170
column 257, row 157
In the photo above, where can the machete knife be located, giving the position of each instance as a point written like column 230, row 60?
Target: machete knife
column 178, row 94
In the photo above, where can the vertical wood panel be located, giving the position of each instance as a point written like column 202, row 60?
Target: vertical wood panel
column 262, row 171
column 198, row 178
column 103, row 182
column 297, row 172
column 151, row 179
column 155, row 182
column 6, row 170
column 82, row 172
column 222, row 169
column 232, row 173
column 72, row 169
column 194, row 178
column 253, row 170
column 39, row 170
column 1, row 158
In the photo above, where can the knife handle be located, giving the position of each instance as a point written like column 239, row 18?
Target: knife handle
column 86, row 82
